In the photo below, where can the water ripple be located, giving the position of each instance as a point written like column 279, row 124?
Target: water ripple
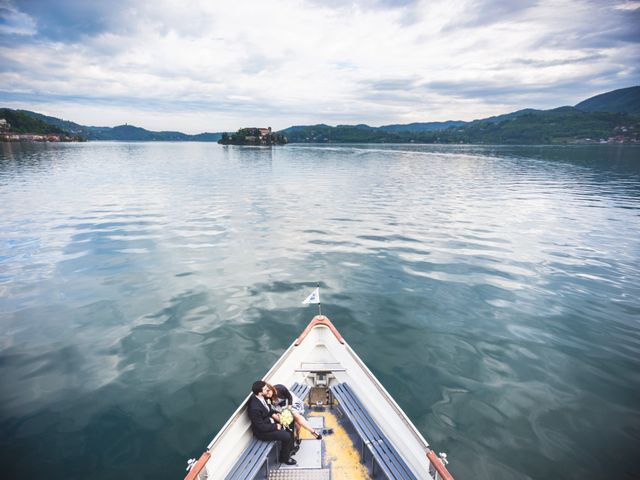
column 493, row 290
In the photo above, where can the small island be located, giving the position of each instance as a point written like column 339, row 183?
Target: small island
column 253, row 136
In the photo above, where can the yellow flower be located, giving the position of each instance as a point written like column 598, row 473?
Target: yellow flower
column 286, row 417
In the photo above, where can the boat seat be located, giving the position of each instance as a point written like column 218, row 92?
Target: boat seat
column 251, row 460
column 256, row 455
column 301, row 390
column 382, row 451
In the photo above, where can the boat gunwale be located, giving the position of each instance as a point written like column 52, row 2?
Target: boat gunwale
column 369, row 376
column 298, row 340
column 240, row 410
column 439, row 465
column 383, row 391
column 197, row 467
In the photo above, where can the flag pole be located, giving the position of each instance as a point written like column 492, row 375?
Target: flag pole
column 319, row 308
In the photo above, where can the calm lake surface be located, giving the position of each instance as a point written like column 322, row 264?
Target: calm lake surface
column 495, row 292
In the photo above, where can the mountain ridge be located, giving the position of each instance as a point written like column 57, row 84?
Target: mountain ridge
column 607, row 115
column 622, row 100
column 612, row 117
column 124, row 132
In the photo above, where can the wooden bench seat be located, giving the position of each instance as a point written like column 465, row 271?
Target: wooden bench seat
column 382, row 451
column 301, row 390
column 256, row 455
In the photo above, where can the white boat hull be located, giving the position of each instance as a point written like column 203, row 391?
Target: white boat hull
column 321, row 356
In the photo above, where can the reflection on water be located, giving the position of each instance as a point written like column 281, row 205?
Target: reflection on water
column 493, row 290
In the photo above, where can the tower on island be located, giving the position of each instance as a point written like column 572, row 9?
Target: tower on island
column 253, row 136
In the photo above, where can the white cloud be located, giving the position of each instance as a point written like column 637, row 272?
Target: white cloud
column 224, row 65
column 14, row 22
column 628, row 6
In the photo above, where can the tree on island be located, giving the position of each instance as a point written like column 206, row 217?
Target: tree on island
column 253, row 136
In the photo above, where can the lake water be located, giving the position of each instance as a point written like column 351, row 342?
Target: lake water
column 495, row 292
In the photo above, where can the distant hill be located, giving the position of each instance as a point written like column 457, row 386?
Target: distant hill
column 121, row 132
column 20, row 122
column 507, row 116
column 401, row 133
column 422, row 127
column 555, row 126
column 361, row 126
column 361, row 132
column 624, row 100
column 340, row 134
column 612, row 116
column 300, row 128
column 131, row 133
column 64, row 125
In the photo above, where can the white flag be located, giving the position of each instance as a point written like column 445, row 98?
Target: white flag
column 314, row 297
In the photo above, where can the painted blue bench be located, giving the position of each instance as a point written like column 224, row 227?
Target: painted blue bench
column 381, row 448
column 256, row 455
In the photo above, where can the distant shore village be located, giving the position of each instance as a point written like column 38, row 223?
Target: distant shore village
column 253, row 136
column 7, row 135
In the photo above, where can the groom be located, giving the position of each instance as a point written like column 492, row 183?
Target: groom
column 263, row 424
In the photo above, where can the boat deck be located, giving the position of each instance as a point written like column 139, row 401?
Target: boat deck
column 370, row 440
column 333, row 457
column 340, row 451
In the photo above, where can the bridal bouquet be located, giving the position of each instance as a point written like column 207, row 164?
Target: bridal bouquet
column 286, row 417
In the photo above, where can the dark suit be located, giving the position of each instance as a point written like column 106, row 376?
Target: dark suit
column 264, row 429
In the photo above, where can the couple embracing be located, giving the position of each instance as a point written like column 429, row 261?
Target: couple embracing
column 277, row 414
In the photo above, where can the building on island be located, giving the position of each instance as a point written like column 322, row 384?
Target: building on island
column 253, row 136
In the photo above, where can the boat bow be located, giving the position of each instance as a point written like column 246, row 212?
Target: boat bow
column 321, row 359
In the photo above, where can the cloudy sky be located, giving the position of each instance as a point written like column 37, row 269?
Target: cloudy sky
column 200, row 66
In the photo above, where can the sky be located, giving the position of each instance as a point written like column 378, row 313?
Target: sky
column 196, row 66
